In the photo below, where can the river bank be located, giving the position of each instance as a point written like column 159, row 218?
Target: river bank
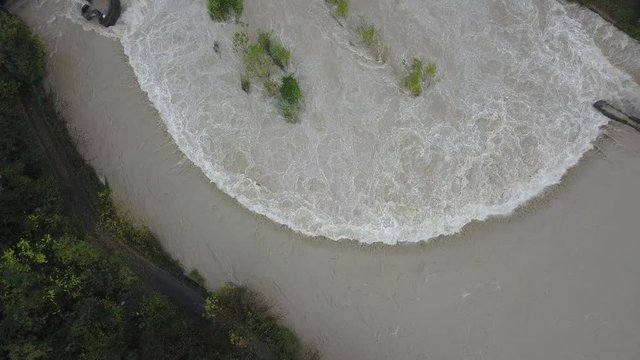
column 624, row 14
column 555, row 280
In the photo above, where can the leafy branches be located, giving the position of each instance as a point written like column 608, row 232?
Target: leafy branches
column 418, row 74
column 224, row 10
column 340, row 8
column 372, row 40
column 263, row 59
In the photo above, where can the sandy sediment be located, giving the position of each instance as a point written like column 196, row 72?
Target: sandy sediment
column 557, row 280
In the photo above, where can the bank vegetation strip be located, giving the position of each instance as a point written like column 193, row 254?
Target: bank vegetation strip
column 74, row 270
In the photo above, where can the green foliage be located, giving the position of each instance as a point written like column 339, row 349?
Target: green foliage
column 223, row 10
column 245, row 84
column 625, row 14
column 255, row 317
column 279, row 54
column 417, row 74
column 342, row 9
column 65, row 291
column 257, row 62
column 271, row 88
column 290, row 90
column 30, row 203
column 197, row 277
column 23, row 55
column 264, row 39
column 60, row 296
column 240, row 41
column 430, row 71
column 117, row 224
column 372, row 40
column 368, row 33
column 290, row 98
column 62, row 291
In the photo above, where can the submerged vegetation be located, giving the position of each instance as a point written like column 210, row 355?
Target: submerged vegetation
column 372, row 40
column 224, row 10
column 418, row 74
column 257, row 62
column 262, row 60
column 278, row 53
column 340, row 8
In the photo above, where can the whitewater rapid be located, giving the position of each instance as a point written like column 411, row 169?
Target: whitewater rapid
column 510, row 112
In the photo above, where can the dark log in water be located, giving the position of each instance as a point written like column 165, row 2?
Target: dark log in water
column 107, row 12
column 614, row 114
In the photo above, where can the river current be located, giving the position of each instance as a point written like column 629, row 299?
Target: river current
column 510, row 110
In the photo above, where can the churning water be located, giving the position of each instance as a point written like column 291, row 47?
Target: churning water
column 509, row 114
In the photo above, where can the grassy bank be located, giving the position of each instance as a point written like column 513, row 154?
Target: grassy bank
column 621, row 13
column 57, row 287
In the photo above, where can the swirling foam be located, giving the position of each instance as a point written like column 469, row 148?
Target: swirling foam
column 511, row 111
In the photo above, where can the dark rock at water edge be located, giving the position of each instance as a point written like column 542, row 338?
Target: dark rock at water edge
column 107, row 11
column 614, row 114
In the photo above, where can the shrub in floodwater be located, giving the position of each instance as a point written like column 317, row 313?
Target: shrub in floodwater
column 245, row 84
column 223, row 10
column 278, row 53
column 417, row 74
column 271, row 88
column 372, row 40
column 257, row 62
column 290, row 98
column 240, row 41
column 430, row 71
column 340, row 7
column 259, row 58
column 264, row 39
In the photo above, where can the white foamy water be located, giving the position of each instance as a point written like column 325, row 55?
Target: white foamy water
column 511, row 111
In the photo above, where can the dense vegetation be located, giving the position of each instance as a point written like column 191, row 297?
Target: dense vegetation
column 290, row 98
column 255, row 318
column 623, row 13
column 223, row 10
column 264, row 60
column 62, row 296
column 116, row 222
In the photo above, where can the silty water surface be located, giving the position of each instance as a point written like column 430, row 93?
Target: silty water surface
column 509, row 114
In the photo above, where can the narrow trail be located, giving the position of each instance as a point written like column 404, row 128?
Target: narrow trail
column 179, row 289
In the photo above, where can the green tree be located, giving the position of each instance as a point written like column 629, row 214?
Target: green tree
column 223, row 10
column 22, row 55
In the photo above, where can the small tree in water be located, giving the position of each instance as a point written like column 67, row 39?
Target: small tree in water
column 224, row 10
column 372, row 41
column 417, row 74
column 290, row 98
